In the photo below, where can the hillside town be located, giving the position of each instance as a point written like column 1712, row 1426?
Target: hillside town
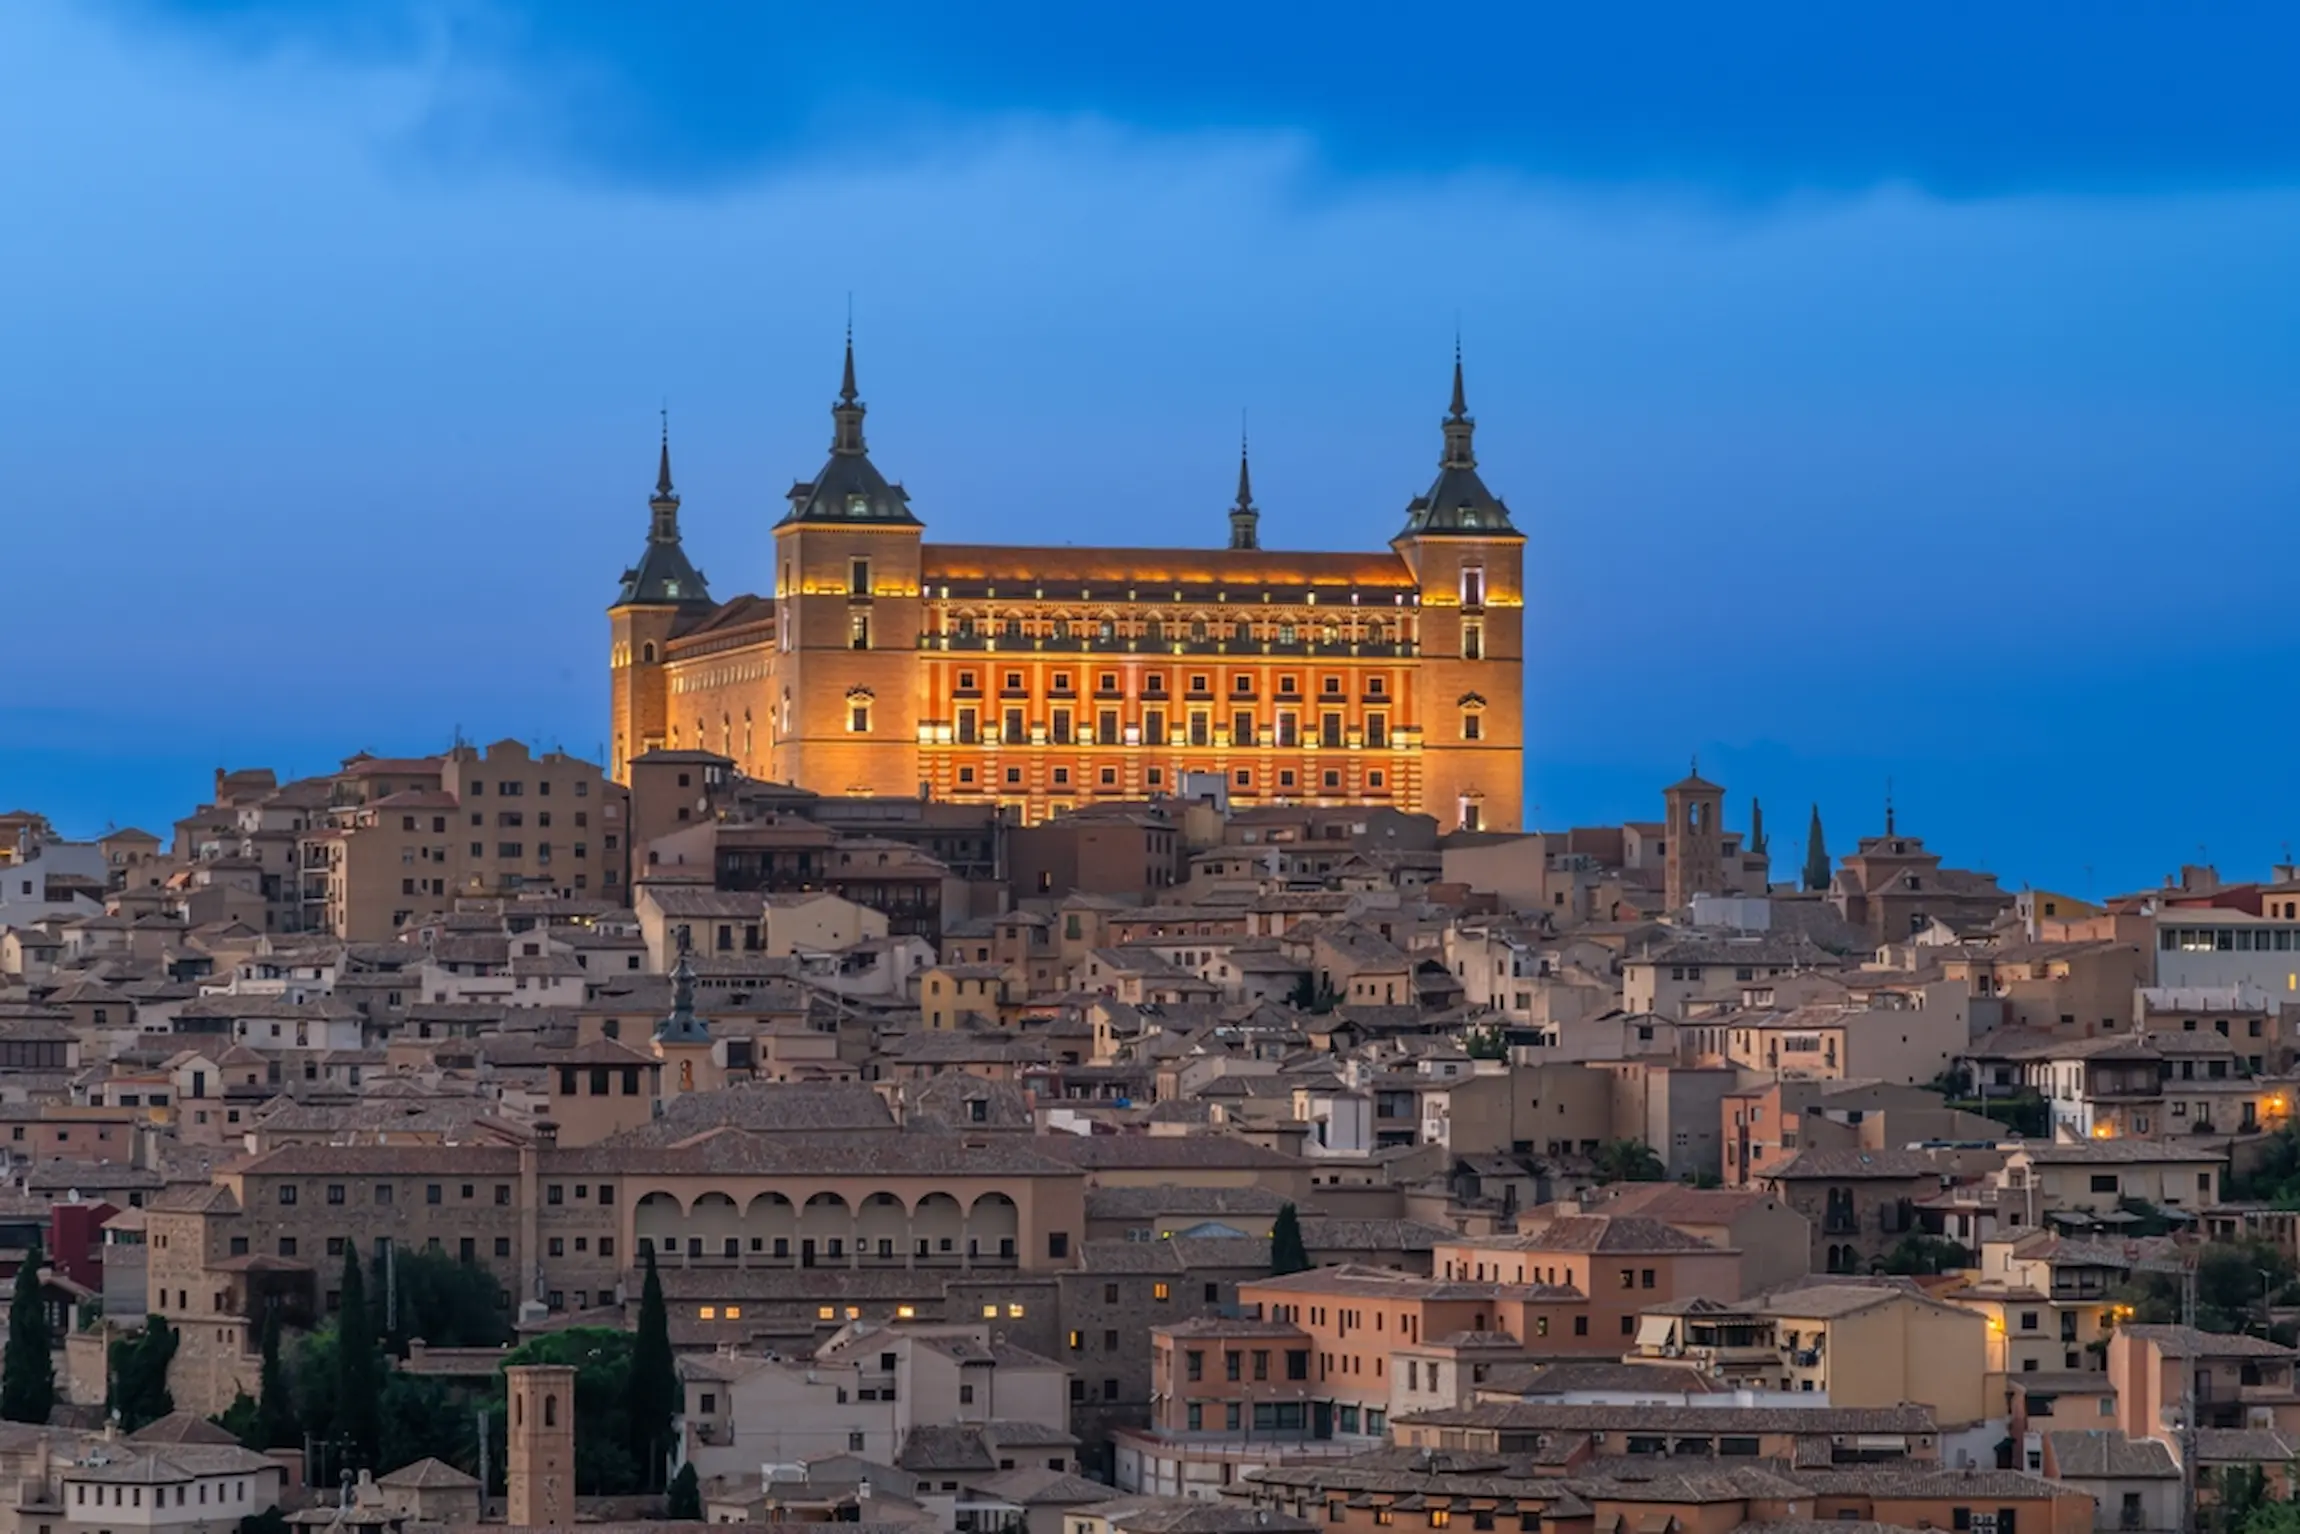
column 477, row 1138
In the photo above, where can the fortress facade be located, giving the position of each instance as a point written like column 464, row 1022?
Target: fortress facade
column 1050, row 678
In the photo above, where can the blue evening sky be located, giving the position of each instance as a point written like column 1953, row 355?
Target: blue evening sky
column 1887, row 391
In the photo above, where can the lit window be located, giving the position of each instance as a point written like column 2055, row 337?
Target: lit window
column 990, row 1312
column 854, row 1312
column 905, row 1312
column 1160, row 1291
column 709, row 1312
column 734, row 1312
column 825, row 1313
column 1014, row 1312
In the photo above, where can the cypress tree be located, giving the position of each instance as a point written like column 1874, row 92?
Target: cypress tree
column 275, row 1409
column 358, row 1369
column 28, row 1377
column 1757, row 827
column 1816, row 855
column 1287, row 1253
column 686, row 1500
column 654, row 1379
column 139, row 1385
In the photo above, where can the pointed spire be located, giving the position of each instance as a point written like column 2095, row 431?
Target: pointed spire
column 1459, row 426
column 663, row 489
column 1245, row 521
column 1245, row 476
column 847, row 437
column 664, row 527
column 664, row 575
column 682, row 1026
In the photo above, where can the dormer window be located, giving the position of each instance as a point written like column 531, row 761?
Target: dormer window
column 671, row 589
column 858, row 505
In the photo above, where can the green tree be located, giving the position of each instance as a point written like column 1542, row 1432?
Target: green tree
column 139, row 1393
column 654, row 1377
column 419, row 1418
column 1927, row 1254
column 312, row 1375
column 2275, row 1176
column 686, row 1500
column 449, row 1304
column 2236, row 1283
column 1757, row 827
column 1816, row 854
column 1488, row 1043
column 2243, row 1492
column 1628, row 1161
column 601, row 1357
column 239, row 1419
column 275, row 1422
column 358, row 1368
column 28, row 1375
column 1287, row 1253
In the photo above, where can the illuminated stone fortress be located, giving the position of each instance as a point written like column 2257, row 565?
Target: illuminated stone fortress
column 1051, row 678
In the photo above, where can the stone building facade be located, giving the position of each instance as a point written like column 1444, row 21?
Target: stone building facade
column 753, row 1233
column 1047, row 678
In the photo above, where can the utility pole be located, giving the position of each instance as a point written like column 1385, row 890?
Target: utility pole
column 2187, row 1427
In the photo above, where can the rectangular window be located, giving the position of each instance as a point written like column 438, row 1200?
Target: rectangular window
column 1473, row 587
column 1199, row 729
column 966, row 727
column 1330, row 731
column 1473, row 726
column 1473, row 641
column 858, row 631
column 858, row 578
column 1241, row 729
column 1154, row 727
column 1061, row 730
column 1106, row 727
column 1377, row 731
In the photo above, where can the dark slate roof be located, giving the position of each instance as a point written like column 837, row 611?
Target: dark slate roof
column 664, row 577
column 849, row 487
column 1458, row 501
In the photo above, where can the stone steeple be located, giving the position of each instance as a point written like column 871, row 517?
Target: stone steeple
column 847, row 414
column 683, row 1026
column 663, row 577
column 850, row 487
column 1245, row 521
column 1458, row 502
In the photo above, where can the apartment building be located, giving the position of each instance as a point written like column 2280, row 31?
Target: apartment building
column 500, row 821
